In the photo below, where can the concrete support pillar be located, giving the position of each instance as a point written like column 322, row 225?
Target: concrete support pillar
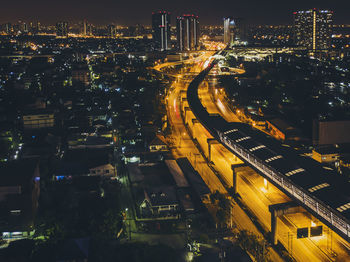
column 183, row 104
column 234, row 177
column 211, row 141
column 274, row 227
column 194, row 123
column 278, row 210
column 187, row 109
column 235, row 184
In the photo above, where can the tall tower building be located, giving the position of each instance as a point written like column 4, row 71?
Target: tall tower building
column 23, row 27
column 84, row 28
column 187, row 27
column 313, row 28
column 161, row 30
column 8, row 28
column 62, row 29
column 111, row 31
column 235, row 30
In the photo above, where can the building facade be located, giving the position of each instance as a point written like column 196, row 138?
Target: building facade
column 313, row 28
column 38, row 119
column 161, row 30
column 235, row 31
column 187, row 27
column 62, row 29
column 111, row 31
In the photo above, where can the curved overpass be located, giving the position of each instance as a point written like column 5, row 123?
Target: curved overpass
column 301, row 178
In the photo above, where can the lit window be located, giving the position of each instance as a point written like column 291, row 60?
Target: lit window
column 318, row 187
column 273, row 158
column 296, row 171
column 230, row 131
column 242, row 139
column 15, row 212
column 343, row 207
column 256, row 148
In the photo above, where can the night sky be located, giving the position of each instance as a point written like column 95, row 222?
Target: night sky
column 129, row 12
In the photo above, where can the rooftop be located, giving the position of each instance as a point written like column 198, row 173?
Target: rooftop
column 16, row 172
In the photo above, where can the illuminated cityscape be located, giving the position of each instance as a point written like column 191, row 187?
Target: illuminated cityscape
column 188, row 132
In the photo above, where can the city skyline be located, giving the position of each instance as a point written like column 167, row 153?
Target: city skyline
column 256, row 12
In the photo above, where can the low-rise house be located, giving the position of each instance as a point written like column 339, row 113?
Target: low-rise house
column 36, row 119
column 19, row 194
column 282, row 130
column 81, row 73
column 86, row 162
column 326, row 154
column 102, row 170
column 90, row 142
column 154, row 190
column 257, row 120
column 160, row 202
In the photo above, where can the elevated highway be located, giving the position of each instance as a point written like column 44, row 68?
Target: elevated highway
column 302, row 179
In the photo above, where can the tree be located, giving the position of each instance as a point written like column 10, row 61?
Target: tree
column 221, row 216
column 110, row 225
column 231, row 61
column 231, row 191
column 214, row 196
column 224, row 203
column 253, row 244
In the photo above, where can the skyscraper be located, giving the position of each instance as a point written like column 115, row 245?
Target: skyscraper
column 62, row 29
column 84, row 28
column 8, row 28
column 234, row 31
column 187, row 27
column 313, row 28
column 161, row 30
column 111, row 31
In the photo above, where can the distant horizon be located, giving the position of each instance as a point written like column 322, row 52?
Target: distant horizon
column 76, row 22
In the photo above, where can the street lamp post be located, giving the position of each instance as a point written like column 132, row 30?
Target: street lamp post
column 290, row 243
column 128, row 223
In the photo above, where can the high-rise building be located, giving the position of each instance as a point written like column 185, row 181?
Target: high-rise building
column 313, row 28
column 161, row 30
column 228, row 23
column 111, row 31
column 89, row 30
column 235, row 31
column 85, row 25
column 187, row 27
column 8, row 28
column 62, row 29
column 23, row 27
